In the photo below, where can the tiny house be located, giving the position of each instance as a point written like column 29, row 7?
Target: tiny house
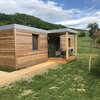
column 22, row 46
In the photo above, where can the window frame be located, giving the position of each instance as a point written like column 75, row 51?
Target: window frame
column 69, row 42
column 35, row 42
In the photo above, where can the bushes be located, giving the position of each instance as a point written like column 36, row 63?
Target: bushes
column 82, row 34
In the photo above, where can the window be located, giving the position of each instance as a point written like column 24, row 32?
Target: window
column 34, row 42
column 69, row 42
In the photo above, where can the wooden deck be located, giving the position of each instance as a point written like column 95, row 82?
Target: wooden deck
column 62, row 60
column 57, row 60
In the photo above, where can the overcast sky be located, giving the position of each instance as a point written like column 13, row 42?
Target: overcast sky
column 71, row 13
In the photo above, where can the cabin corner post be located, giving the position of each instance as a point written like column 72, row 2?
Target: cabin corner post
column 67, row 51
column 15, row 47
column 75, row 45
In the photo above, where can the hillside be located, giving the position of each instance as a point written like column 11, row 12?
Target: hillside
column 28, row 20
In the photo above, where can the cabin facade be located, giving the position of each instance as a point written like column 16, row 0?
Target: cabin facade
column 23, row 46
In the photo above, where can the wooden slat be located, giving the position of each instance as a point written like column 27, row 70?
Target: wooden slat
column 24, row 53
column 63, row 41
column 67, row 46
column 7, row 51
column 76, row 45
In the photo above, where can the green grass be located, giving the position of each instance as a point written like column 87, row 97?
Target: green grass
column 68, row 82
column 6, row 69
column 84, row 45
column 72, row 81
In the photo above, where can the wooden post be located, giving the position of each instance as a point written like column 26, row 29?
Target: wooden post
column 75, row 45
column 90, row 62
column 67, row 51
column 15, row 48
column 90, row 58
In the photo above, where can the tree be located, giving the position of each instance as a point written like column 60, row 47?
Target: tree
column 82, row 34
column 93, row 32
column 1, row 23
column 93, row 29
column 28, row 20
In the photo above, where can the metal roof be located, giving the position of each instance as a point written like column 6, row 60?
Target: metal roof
column 17, row 26
column 62, row 30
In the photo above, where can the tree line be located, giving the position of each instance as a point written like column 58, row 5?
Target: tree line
column 28, row 20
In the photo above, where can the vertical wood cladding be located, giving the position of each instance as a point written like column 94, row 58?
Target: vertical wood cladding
column 16, row 48
column 63, row 41
column 72, row 40
column 7, row 48
column 25, row 56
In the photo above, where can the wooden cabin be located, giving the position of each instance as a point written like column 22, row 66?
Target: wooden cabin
column 23, row 46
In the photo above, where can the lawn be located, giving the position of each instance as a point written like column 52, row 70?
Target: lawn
column 72, row 81
column 84, row 44
column 6, row 69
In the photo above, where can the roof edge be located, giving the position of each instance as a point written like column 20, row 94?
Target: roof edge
column 18, row 26
column 24, row 27
column 62, row 30
column 4, row 27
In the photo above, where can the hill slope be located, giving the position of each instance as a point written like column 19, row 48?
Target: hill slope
column 28, row 20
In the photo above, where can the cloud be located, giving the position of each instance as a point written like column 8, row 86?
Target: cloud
column 52, row 12
column 48, row 11
column 84, row 19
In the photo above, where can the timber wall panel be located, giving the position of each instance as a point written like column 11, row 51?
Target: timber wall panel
column 72, row 37
column 24, row 53
column 7, row 48
column 63, row 41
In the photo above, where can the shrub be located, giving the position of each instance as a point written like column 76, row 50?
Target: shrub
column 82, row 34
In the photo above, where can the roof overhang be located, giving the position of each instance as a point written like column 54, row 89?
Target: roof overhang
column 33, row 29
column 17, row 26
column 59, row 31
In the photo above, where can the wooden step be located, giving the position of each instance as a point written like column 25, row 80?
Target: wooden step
column 57, row 60
column 62, row 60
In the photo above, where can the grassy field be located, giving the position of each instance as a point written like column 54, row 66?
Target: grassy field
column 68, row 82
column 84, row 44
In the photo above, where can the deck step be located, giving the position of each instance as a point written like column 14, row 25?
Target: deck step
column 57, row 60
column 62, row 60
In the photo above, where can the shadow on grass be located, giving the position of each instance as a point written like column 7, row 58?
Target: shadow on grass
column 7, row 69
column 95, row 72
column 96, row 68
